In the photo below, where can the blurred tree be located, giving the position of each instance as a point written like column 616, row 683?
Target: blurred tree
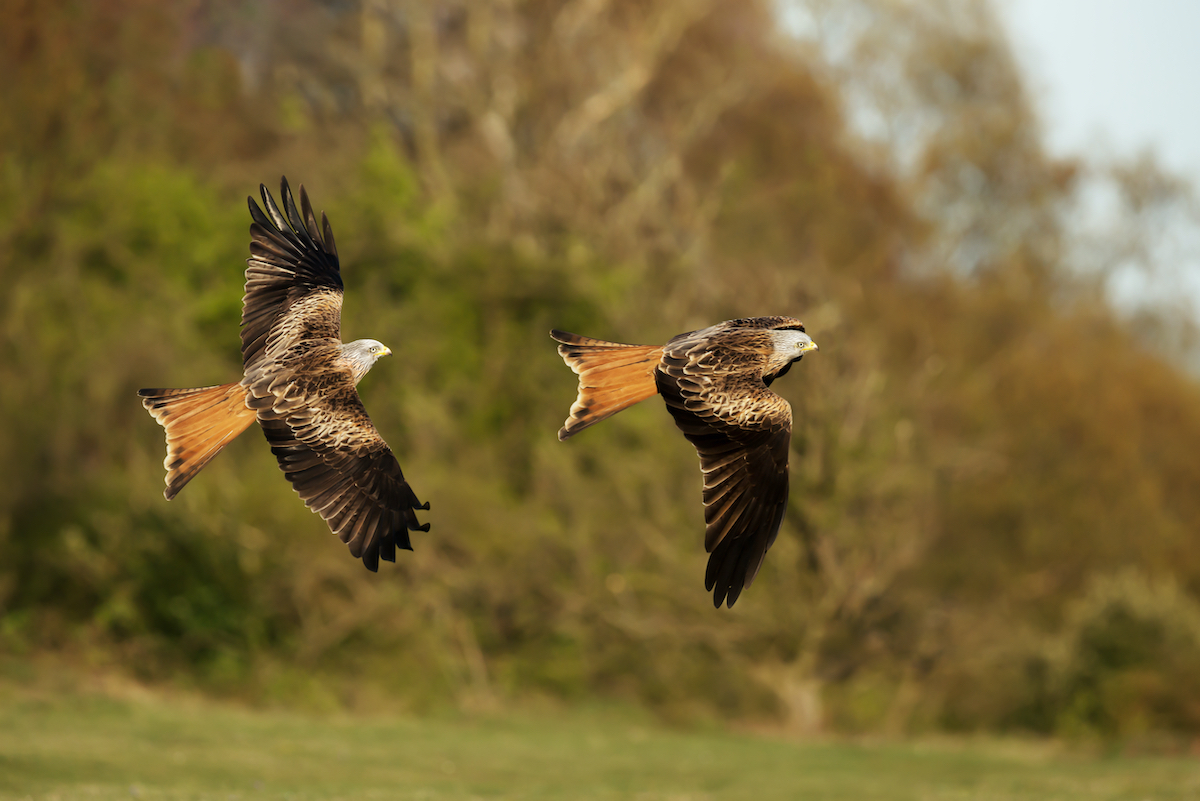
column 980, row 438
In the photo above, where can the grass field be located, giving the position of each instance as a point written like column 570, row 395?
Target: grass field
column 93, row 747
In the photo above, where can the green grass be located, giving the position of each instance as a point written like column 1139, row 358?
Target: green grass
column 88, row 747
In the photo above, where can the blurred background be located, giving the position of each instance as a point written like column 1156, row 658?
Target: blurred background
column 994, row 510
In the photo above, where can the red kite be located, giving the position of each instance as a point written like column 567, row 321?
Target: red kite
column 715, row 382
column 299, row 382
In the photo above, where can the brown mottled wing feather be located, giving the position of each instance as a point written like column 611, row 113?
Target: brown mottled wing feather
column 293, row 281
column 741, row 431
column 304, row 393
column 356, row 485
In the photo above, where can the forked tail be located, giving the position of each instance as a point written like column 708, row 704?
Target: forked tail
column 612, row 377
column 199, row 423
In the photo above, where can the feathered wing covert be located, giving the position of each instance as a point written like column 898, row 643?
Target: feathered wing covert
column 715, row 383
column 301, row 387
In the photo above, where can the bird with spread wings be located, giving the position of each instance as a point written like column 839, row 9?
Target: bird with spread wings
column 300, row 383
column 716, row 384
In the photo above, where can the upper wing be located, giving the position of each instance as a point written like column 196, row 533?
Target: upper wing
column 338, row 463
column 741, row 431
column 293, row 282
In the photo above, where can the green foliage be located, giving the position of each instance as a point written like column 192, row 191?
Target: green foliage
column 979, row 438
column 1122, row 665
column 91, row 274
column 1133, row 658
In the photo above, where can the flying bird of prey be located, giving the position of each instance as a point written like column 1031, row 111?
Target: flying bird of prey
column 299, row 382
column 715, row 382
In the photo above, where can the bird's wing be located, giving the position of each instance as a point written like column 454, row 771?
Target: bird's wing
column 335, row 459
column 293, row 281
column 741, row 431
column 304, row 393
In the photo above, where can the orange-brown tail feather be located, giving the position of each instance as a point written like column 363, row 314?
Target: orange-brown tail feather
column 612, row 377
column 199, row 422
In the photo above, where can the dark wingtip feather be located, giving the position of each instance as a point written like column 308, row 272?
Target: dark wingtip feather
column 293, row 214
column 310, row 219
column 387, row 549
column 272, row 209
column 256, row 213
column 327, row 231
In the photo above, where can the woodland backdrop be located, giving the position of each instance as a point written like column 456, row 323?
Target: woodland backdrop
column 994, row 510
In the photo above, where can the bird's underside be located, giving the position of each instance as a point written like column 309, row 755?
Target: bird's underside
column 715, row 383
column 299, row 383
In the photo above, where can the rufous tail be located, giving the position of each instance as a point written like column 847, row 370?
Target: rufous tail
column 612, row 377
column 199, row 422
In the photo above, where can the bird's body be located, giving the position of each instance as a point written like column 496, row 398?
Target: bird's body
column 299, row 383
column 716, row 385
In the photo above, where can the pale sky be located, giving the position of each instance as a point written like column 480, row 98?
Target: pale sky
column 1113, row 78
column 1118, row 74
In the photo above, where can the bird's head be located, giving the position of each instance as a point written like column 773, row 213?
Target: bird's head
column 790, row 345
column 362, row 353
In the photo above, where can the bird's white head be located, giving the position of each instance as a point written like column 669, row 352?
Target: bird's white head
column 362, row 354
column 791, row 344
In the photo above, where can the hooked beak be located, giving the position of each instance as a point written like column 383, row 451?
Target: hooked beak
column 388, row 351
